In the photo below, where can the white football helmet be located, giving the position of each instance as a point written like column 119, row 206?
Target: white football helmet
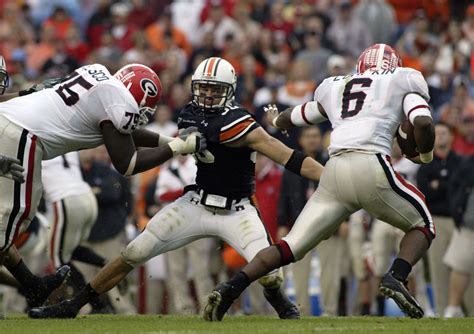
column 213, row 84
column 4, row 78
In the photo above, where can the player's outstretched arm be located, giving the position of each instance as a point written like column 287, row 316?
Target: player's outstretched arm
column 296, row 161
column 305, row 114
column 128, row 160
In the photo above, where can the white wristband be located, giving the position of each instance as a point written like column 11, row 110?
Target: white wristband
column 426, row 157
column 176, row 146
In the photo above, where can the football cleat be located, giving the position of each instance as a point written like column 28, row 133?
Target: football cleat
column 281, row 303
column 392, row 288
column 219, row 301
column 64, row 310
column 49, row 283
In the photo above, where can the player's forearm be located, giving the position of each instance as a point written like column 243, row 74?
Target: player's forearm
column 424, row 134
column 311, row 169
column 149, row 158
column 145, row 138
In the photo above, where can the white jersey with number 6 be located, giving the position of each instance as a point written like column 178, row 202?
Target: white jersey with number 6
column 366, row 109
column 67, row 117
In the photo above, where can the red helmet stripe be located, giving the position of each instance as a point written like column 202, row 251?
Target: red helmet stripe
column 211, row 66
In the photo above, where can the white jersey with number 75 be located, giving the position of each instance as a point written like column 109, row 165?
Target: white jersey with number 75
column 67, row 117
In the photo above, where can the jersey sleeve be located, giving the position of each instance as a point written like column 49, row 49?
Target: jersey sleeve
column 118, row 109
column 416, row 83
column 237, row 124
column 307, row 114
column 321, row 96
column 415, row 101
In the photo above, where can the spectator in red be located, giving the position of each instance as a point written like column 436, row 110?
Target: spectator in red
column 142, row 13
column 75, row 46
column 122, row 31
column 100, row 21
column 277, row 24
column 268, row 180
column 464, row 144
column 227, row 5
column 60, row 21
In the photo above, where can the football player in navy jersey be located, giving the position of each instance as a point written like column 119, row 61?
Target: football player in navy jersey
column 221, row 203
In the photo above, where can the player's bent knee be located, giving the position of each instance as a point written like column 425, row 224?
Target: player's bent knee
column 272, row 281
column 285, row 252
column 428, row 233
column 140, row 250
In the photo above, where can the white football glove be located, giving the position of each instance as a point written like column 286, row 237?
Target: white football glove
column 11, row 168
column 188, row 141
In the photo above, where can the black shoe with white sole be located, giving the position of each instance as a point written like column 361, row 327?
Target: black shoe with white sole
column 392, row 288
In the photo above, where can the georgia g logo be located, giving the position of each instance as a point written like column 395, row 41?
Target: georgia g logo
column 149, row 87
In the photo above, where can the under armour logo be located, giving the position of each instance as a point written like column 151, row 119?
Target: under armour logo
column 239, row 208
column 204, row 123
column 194, row 201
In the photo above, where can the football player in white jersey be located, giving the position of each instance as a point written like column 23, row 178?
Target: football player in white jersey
column 74, row 212
column 87, row 108
column 365, row 110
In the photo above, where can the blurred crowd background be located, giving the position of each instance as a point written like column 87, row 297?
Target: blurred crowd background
column 281, row 51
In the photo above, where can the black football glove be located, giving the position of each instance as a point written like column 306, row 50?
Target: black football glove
column 11, row 168
column 48, row 83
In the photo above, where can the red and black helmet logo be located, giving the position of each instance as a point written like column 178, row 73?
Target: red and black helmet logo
column 149, row 87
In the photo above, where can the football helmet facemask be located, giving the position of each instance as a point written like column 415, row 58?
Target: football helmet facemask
column 4, row 77
column 145, row 87
column 378, row 57
column 213, row 84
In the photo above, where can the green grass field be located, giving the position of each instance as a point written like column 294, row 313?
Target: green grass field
column 242, row 325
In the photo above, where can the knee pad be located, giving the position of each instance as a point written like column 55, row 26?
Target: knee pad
column 140, row 250
column 272, row 281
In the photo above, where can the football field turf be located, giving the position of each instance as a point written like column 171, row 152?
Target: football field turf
column 243, row 325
